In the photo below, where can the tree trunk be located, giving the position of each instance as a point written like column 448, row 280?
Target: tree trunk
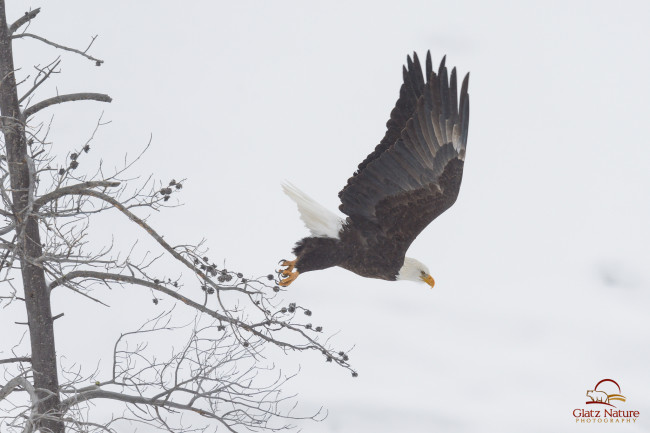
column 37, row 299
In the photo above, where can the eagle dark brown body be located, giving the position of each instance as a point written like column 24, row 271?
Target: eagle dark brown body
column 411, row 177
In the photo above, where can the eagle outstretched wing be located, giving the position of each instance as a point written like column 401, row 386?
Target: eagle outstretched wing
column 415, row 172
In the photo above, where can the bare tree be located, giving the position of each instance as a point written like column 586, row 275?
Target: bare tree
column 217, row 379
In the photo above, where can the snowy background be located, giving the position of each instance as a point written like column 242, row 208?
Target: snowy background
column 541, row 265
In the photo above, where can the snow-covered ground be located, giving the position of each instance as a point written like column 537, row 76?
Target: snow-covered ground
column 541, row 265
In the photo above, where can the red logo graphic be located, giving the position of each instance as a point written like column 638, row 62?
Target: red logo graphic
column 602, row 397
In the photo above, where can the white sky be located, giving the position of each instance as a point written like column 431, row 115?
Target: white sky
column 542, row 263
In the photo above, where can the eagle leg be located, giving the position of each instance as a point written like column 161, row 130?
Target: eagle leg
column 287, row 275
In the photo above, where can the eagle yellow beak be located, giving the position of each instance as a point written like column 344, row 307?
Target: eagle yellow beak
column 429, row 280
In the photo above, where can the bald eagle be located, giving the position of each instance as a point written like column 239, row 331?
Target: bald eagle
column 411, row 177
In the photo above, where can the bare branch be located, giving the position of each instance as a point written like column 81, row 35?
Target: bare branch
column 7, row 229
column 23, row 20
column 139, row 221
column 212, row 375
column 134, row 399
column 72, row 190
column 20, row 381
column 98, row 62
column 17, row 359
column 104, row 276
column 66, row 98
column 15, row 383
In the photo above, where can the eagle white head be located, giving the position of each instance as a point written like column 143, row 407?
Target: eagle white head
column 414, row 270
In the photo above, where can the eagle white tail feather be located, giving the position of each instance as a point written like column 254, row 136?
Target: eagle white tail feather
column 320, row 221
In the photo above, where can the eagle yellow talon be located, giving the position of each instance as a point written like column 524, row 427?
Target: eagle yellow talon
column 288, row 278
column 288, row 264
column 287, row 275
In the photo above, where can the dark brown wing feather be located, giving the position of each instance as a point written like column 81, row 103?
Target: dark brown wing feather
column 409, row 93
column 404, row 185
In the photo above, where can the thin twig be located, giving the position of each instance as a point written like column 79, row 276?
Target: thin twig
column 38, row 83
